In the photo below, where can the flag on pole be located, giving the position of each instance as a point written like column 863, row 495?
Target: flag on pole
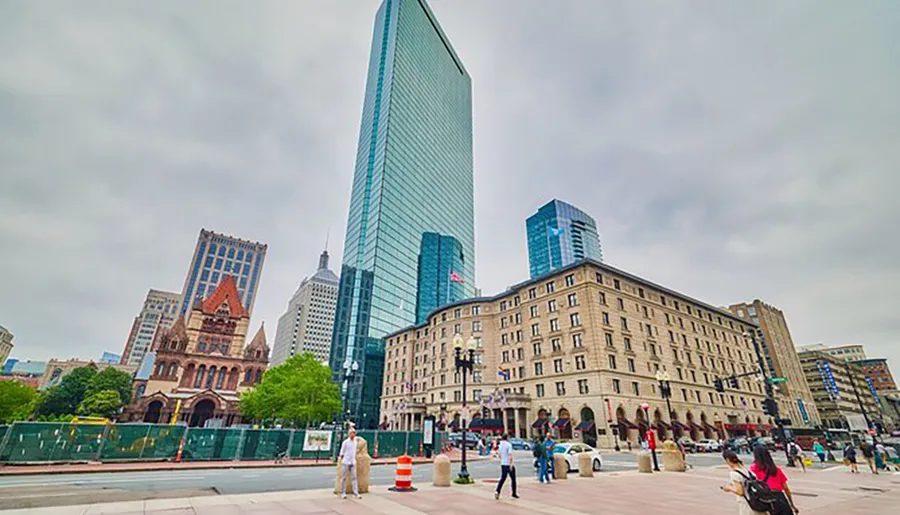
column 504, row 373
column 456, row 278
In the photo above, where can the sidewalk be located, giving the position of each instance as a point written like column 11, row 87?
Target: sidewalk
column 816, row 492
column 85, row 468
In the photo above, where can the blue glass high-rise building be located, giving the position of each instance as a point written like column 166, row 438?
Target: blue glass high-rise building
column 413, row 176
column 560, row 234
column 440, row 281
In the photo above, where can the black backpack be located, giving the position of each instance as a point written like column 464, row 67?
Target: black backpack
column 758, row 494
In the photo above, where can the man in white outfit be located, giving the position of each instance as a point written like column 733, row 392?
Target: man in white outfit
column 348, row 464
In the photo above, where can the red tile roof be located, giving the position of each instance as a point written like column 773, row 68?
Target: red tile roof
column 225, row 292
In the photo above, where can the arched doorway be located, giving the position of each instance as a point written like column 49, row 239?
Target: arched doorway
column 661, row 429
column 588, row 427
column 203, row 411
column 707, row 433
column 151, row 416
column 622, row 424
column 564, row 424
column 692, row 426
column 643, row 425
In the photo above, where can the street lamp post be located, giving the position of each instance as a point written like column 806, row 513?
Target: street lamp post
column 665, row 390
column 650, row 443
column 770, row 394
column 465, row 363
column 350, row 370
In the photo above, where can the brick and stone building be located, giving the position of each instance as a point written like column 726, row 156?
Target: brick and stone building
column 794, row 398
column 202, row 364
column 578, row 351
column 835, row 384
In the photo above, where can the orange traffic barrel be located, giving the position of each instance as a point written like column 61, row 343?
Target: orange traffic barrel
column 403, row 480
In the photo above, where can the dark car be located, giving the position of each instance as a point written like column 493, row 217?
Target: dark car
column 471, row 440
column 519, row 444
column 767, row 441
column 688, row 444
column 737, row 443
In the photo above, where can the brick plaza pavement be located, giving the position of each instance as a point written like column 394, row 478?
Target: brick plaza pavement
column 832, row 491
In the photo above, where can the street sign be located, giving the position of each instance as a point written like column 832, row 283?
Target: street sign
column 775, row 380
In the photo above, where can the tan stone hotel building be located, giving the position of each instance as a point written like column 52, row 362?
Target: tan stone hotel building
column 578, row 351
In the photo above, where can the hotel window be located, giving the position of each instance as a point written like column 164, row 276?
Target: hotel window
column 476, row 310
column 457, row 313
column 537, row 349
column 631, row 364
column 554, row 325
column 616, row 284
column 627, row 343
column 551, row 287
column 551, row 305
column 711, row 398
column 621, row 304
column 582, row 386
column 521, row 372
column 561, row 388
column 535, row 329
column 609, row 339
column 641, row 293
column 556, row 345
column 457, row 328
column 572, row 299
column 534, row 311
column 570, row 280
column 539, row 390
column 635, row 387
column 504, row 322
column 602, row 298
column 517, row 300
column 612, row 362
column 506, row 356
column 649, row 330
column 504, row 339
column 617, row 386
column 577, row 341
column 653, row 349
column 605, row 317
column 476, row 326
column 539, row 369
column 644, row 310
column 624, row 324
column 518, row 335
column 532, row 293
column 520, row 353
column 557, row 366
column 580, row 363
column 575, row 320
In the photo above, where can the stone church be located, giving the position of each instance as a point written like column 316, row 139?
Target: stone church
column 202, row 365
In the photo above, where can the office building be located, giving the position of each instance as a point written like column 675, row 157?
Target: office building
column 57, row 369
column 307, row 324
column 560, row 234
column 158, row 314
column 110, row 358
column 217, row 256
column 842, row 352
column 441, row 260
column 839, row 390
column 577, row 352
column 413, row 176
column 878, row 373
column 6, row 343
column 202, row 365
column 795, row 401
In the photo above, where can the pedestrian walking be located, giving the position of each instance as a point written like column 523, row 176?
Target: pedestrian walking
column 481, row 446
column 796, row 454
column 507, row 467
column 738, row 476
column 348, row 464
column 850, row 458
column 549, row 446
column 819, row 450
column 881, row 457
column 869, row 454
column 540, row 454
column 765, row 470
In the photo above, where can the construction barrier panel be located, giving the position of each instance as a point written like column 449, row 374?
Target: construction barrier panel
column 141, row 442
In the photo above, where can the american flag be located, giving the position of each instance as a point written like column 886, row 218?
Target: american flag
column 455, row 277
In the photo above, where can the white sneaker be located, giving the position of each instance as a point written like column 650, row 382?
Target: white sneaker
column 343, row 496
column 358, row 496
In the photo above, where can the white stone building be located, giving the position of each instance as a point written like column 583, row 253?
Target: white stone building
column 158, row 314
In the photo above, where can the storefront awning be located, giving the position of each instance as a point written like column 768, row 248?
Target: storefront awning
column 486, row 424
column 627, row 423
column 561, row 423
column 678, row 425
column 710, row 426
column 696, row 426
column 585, row 425
column 664, row 425
column 541, row 422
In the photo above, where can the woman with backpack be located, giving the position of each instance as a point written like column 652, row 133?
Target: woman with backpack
column 767, row 473
column 738, row 477
column 850, row 458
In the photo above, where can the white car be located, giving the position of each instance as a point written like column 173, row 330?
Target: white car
column 708, row 446
column 571, row 452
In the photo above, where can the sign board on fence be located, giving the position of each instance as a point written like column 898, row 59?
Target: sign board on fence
column 857, row 423
column 428, row 431
column 317, row 441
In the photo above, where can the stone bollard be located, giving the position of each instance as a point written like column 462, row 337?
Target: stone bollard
column 585, row 465
column 363, row 469
column 559, row 466
column 673, row 460
column 442, row 470
column 644, row 462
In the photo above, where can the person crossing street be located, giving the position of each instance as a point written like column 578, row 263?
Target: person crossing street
column 507, row 468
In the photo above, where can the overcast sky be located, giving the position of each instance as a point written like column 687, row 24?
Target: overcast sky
column 730, row 150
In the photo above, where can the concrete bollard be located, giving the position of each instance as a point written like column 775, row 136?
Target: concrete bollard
column 644, row 463
column 672, row 459
column 442, row 470
column 363, row 469
column 559, row 466
column 585, row 465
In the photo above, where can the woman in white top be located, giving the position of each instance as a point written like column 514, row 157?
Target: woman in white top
column 738, row 476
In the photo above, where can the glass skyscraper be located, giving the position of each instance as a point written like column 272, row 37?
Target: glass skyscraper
column 440, row 282
column 560, row 234
column 413, row 176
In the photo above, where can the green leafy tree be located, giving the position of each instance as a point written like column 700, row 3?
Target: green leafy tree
column 105, row 403
column 17, row 401
column 64, row 398
column 297, row 392
column 111, row 379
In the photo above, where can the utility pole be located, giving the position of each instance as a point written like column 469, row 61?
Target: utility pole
column 770, row 405
column 862, row 408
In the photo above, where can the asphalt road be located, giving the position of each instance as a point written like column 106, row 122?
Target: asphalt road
column 69, row 489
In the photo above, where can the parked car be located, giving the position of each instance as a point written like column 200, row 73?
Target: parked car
column 519, row 444
column 768, row 441
column 571, row 452
column 471, row 440
column 737, row 443
column 708, row 446
column 688, row 444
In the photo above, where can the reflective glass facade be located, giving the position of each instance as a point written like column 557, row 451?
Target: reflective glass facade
column 560, row 234
column 441, row 261
column 413, row 175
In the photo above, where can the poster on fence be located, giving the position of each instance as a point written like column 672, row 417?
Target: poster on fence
column 317, row 441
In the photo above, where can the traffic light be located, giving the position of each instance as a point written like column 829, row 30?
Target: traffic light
column 733, row 382
column 770, row 407
column 719, row 386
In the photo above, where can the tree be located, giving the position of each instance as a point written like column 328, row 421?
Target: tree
column 111, row 379
column 17, row 401
column 298, row 392
column 64, row 398
column 105, row 403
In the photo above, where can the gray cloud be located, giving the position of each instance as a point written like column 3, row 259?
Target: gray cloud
column 728, row 150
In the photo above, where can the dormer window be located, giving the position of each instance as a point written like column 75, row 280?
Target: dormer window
column 223, row 310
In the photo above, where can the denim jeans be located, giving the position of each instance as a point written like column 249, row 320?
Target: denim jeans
column 543, row 469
